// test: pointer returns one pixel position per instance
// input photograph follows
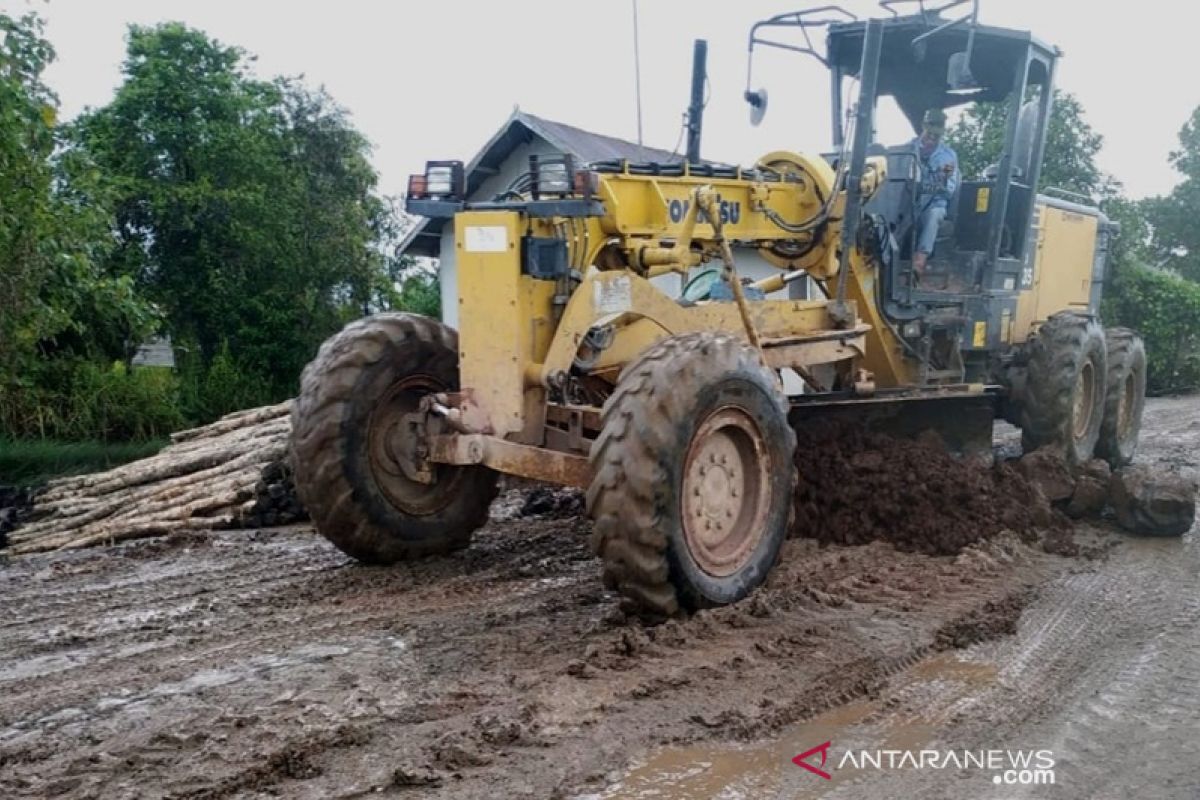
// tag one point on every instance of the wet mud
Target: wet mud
(267, 664)
(856, 486)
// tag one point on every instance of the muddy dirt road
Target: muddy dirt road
(247, 664)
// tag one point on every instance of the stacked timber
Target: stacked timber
(208, 477)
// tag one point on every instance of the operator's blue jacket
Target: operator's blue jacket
(936, 189)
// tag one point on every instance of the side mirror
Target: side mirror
(758, 105)
(958, 74)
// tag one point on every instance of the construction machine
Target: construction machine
(678, 415)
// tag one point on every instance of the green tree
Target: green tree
(56, 300)
(1071, 145)
(420, 293)
(1165, 309)
(27, 111)
(1175, 242)
(244, 208)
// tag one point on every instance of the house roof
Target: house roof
(425, 237)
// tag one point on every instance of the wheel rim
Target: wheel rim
(726, 491)
(1125, 407)
(1085, 395)
(387, 443)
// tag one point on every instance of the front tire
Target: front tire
(347, 427)
(1063, 403)
(1125, 397)
(692, 475)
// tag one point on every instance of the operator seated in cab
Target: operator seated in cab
(939, 180)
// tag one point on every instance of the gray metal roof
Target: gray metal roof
(155, 352)
(425, 237)
(588, 147)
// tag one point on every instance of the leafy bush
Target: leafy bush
(224, 385)
(1165, 309)
(82, 400)
(421, 293)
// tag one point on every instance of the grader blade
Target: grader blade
(961, 416)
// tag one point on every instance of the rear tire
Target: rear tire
(692, 475)
(344, 427)
(1063, 403)
(1125, 397)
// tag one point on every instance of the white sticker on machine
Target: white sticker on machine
(486, 239)
(613, 296)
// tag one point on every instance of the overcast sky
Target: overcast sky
(434, 80)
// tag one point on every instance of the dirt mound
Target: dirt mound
(857, 486)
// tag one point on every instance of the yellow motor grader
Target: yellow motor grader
(572, 366)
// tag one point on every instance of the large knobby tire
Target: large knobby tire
(693, 475)
(346, 423)
(1063, 402)
(1125, 397)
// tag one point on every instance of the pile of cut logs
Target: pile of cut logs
(230, 473)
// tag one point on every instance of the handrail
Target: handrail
(973, 17)
(886, 5)
(797, 19)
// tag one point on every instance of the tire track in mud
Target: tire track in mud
(506, 670)
(514, 661)
(1104, 671)
(302, 607)
(1124, 729)
(192, 645)
(48, 604)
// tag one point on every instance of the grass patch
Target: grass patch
(28, 462)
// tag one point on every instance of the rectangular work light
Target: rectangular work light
(552, 175)
(445, 179)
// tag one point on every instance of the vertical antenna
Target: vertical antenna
(637, 71)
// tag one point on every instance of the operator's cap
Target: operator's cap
(935, 120)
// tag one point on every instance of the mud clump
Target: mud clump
(1153, 503)
(410, 777)
(857, 486)
(15, 504)
(1090, 497)
(1060, 542)
(1047, 469)
(997, 618)
(552, 502)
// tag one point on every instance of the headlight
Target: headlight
(445, 179)
(553, 175)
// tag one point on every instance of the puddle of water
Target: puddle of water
(741, 772)
(948, 667)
